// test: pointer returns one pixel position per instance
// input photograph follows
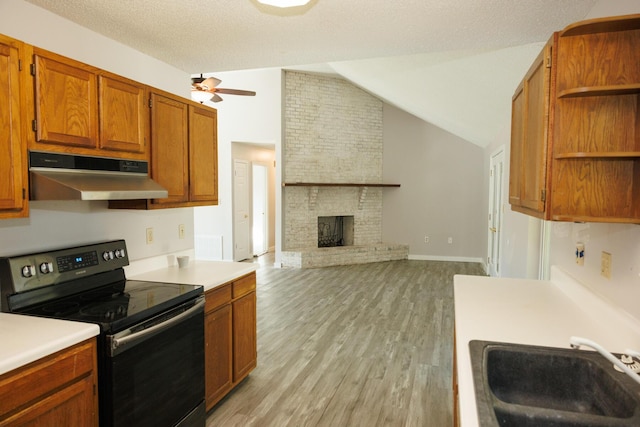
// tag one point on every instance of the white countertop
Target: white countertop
(25, 339)
(531, 312)
(206, 273)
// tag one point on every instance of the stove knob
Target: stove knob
(107, 255)
(120, 253)
(46, 267)
(28, 271)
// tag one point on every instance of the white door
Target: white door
(241, 224)
(496, 179)
(259, 192)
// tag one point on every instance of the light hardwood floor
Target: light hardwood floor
(359, 345)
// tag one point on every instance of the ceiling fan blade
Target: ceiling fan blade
(210, 82)
(235, 91)
(216, 98)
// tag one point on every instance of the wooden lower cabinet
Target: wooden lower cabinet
(230, 336)
(218, 354)
(244, 336)
(58, 390)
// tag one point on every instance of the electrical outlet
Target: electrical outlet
(181, 231)
(580, 253)
(149, 236)
(426, 239)
(605, 265)
(450, 240)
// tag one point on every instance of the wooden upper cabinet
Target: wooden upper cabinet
(123, 114)
(184, 153)
(170, 147)
(576, 154)
(203, 154)
(529, 137)
(84, 110)
(516, 165)
(66, 105)
(13, 165)
(596, 151)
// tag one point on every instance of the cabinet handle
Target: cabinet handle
(492, 229)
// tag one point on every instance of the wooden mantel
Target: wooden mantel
(314, 187)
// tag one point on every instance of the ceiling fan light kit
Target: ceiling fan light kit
(200, 96)
(284, 3)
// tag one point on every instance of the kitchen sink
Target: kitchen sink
(523, 385)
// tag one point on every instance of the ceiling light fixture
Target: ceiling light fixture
(200, 96)
(284, 3)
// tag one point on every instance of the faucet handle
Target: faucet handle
(632, 353)
(626, 359)
(629, 362)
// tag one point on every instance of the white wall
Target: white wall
(441, 193)
(59, 224)
(621, 240)
(242, 119)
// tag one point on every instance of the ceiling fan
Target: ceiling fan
(205, 89)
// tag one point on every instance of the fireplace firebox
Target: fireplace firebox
(335, 231)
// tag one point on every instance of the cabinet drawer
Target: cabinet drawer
(244, 285)
(217, 297)
(33, 382)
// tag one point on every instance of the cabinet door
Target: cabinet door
(203, 154)
(57, 390)
(66, 105)
(530, 137)
(536, 116)
(517, 142)
(218, 356)
(169, 147)
(123, 115)
(244, 336)
(72, 406)
(12, 162)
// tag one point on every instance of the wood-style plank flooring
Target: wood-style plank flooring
(359, 345)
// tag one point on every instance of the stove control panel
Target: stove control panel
(25, 272)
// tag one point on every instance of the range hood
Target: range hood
(56, 176)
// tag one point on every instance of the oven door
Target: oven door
(153, 373)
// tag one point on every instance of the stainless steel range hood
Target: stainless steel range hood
(70, 177)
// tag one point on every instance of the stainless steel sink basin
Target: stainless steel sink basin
(521, 385)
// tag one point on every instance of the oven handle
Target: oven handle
(129, 338)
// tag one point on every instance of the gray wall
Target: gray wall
(441, 193)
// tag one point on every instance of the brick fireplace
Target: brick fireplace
(333, 139)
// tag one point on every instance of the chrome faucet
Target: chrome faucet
(576, 342)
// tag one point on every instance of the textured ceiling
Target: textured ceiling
(425, 56)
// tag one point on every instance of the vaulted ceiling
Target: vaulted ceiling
(454, 63)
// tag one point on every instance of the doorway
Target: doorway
(259, 189)
(496, 180)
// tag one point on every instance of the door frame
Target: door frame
(265, 220)
(495, 211)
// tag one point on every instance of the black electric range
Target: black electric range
(151, 342)
(86, 284)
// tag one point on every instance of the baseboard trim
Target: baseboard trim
(445, 258)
